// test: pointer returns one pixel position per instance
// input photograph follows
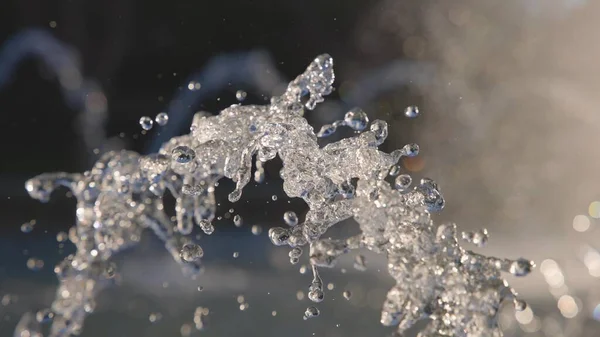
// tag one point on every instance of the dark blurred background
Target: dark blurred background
(509, 128)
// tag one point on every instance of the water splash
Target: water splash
(122, 195)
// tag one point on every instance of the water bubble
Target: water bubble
(200, 288)
(411, 111)
(206, 226)
(274, 197)
(162, 119)
(191, 252)
(357, 119)
(240, 95)
(146, 123)
(402, 182)
(347, 294)
(521, 267)
(311, 312)
(290, 218)
(236, 255)
(273, 313)
(183, 154)
(237, 220)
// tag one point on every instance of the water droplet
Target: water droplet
(402, 182)
(411, 111)
(357, 119)
(44, 316)
(35, 264)
(155, 317)
(311, 312)
(62, 237)
(162, 119)
(206, 226)
(394, 171)
(290, 218)
(521, 267)
(347, 294)
(326, 130)
(380, 130)
(273, 313)
(192, 189)
(478, 238)
(183, 154)
(279, 236)
(146, 123)
(240, 95)
(295, 252)
(410, 150)
(256, 230)
(237, 220)
(28, 226)
(191, 252)
(360, 263)
(520, 305)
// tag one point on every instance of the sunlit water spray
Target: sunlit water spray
(122, 195)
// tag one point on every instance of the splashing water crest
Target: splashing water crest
(122, 195)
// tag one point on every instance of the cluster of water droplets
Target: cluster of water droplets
(122, 195)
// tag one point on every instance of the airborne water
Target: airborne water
(122, 195)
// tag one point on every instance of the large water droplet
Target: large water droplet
(146, 123)
(162, 119)
(311, 312)
(206, 226)
(290, 218)
(411, 111)
(357, 119)
(237, 220)
(240, 95)
(183, 154)
(191, 252)
(521, 267)
(402, 182)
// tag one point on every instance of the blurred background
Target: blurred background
(509, 128)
